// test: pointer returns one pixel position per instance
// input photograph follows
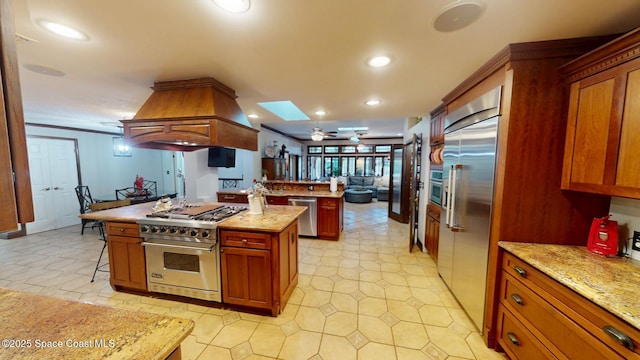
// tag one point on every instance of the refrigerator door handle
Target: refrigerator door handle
(447, 198)
(453, 224)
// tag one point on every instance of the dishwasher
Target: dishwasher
(307, 222)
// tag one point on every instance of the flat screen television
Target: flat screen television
(221, 157)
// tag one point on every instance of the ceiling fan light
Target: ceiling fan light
(317, 137)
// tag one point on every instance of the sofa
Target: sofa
(372, 183)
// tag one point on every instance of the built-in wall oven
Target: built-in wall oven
(435, 187)
(182, 251)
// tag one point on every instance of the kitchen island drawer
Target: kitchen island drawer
(574, 341)
(609, 335)
(122, 229)
(233, 198)
(517, 341)
(245, 239)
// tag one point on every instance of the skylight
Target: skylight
(356, 128)
(286, 110)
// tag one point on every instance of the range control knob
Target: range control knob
(183, 230)
(154, 229)
(205, 233)
(173, 229)
(144, 228)
(194, 232)
(163, 229)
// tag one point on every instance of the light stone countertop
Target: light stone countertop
(612, 283)
(275, 218)
(39, 320)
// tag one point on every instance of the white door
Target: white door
(54, 175)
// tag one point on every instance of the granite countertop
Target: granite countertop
(275, 218)
(299, 193)
(122, 214)
(307, 193)
(613, 283)
(52, 328)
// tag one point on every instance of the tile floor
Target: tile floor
(362, 297)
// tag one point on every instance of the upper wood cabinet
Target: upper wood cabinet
(276, 168)
(603, 128)
(16, 205)
(436, 135)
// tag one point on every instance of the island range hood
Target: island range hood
(187, 115)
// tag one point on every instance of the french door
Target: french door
(53, 166)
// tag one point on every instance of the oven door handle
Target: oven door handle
(210, 249)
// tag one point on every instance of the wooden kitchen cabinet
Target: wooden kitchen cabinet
(436, 135)
(127, 264)
(276, 168)
(232, 198)
(277, 200)
(16, 204)
(330, 219)
(603, 128)
(540, 318)
(259, 269)
(432, 230)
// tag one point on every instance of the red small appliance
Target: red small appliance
(603, 236)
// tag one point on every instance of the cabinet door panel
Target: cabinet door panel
(246, 277)
(628, 170)
(592, 132)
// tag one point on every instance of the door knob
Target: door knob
(58, 188)
(46, 189)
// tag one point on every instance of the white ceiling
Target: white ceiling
(310, 52)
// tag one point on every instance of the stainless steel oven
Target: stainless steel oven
(435, 187)
(185, 269)
(182, 250)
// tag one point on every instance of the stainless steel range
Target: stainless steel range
(182, 250)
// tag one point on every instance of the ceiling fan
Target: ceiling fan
(317, 134)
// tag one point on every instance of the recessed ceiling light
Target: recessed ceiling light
(379, 61)
(234, 6)
(321, 113)
(372, 102)
(62, 30)
(253, 116)
(458, 15)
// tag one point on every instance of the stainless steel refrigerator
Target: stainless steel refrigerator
(468, 180)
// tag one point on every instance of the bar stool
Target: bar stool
(103, 237)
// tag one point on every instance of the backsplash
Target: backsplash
(627, 212)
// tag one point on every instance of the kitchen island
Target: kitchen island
(562, 299)
(42, 327)
(330, 205)
(254, 257)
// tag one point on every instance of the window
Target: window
(315, 167)
(348, 166)
(348, 149)
(331, 149)
(331, 165)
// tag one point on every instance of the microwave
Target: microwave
(435, 187)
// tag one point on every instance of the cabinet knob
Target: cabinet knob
(244, 241)
(121, 230)
(619, 336)
(517, 299)
(221, 251)
(520, 271)
(513, 338)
